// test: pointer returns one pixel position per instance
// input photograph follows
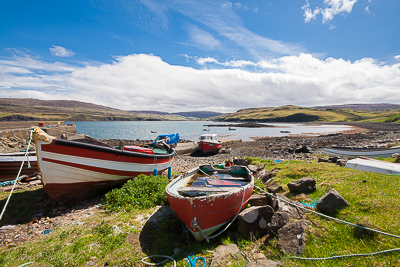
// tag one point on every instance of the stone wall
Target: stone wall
(21, 128)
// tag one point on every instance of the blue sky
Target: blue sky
(183, 55)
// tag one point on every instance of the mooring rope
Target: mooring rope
(19, 172)
(338, 220)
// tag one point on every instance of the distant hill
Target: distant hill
(191, 114)
(321, 114)
(362, 107)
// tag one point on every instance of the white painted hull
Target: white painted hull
(373, 165)
(358, 152)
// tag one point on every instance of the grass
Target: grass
(118, 238)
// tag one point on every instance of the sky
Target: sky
(206, 55)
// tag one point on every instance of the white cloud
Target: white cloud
(60, 51)
(331, 9)
(397, 57)
(202, 39)
(146, 82)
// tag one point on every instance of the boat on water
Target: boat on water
(231, 129)
(352, 152)
(373, 165)
(205, 198)
(80, 168)
(10, 164)
(285, 131)
(209, 144)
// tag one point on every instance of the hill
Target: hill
(16, 109)
(322, 114)
(362, 107)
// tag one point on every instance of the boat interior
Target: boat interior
(208, 180)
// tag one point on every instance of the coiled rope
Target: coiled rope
(19, 172)
(338, 220)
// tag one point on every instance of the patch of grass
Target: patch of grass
(142, 192)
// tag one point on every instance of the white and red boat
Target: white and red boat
(205, 199)
(77, 169)
(209, 143)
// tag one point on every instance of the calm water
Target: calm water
(191, 130)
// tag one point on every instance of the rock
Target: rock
(263, 175)
(323, 160)
(303, 185)
(278, 220)
(259, 200)
(223, 254)
(341, 162)
(293, 212)
(254, 221)
(252, 168)
(240, 161)
(331, 202)
(274, 188)
(292, 237)
(264, 263)
(302, 149)
(260, 167)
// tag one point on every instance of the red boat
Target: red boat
(77, 169)
(205, 198)
(209, 143)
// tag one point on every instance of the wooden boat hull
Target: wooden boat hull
(373, 165)
(209, 212)
(10, 165)
(361, 152)
(72, 171)
(209, 147)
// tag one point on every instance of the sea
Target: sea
(191, 130)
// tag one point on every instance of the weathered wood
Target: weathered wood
(207, 189)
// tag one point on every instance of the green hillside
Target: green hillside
(302, 114)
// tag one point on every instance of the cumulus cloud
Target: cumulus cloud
(60, 51)
(331, 9)
(397, 57)
(146, 82)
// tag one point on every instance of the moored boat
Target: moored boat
(205, 198)
(352, 152)
(77, 169)
(209, 143)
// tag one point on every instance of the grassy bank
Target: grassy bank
(122, 236)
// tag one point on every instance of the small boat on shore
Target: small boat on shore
(205, 198)
(76, 169)
(352, 152)
(209, 144)
(373, 165)
(10, 163)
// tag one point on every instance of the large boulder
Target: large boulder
(252, 168)
(302, 149)
(254, 221)
(284, 206)
(259, 200)
(331, 202)
(292, 237)
(303, 185)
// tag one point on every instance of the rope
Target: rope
(159, 263)
(192, 261)
(347, 256)
(207, 238)
(338, 220)
(16, 179)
